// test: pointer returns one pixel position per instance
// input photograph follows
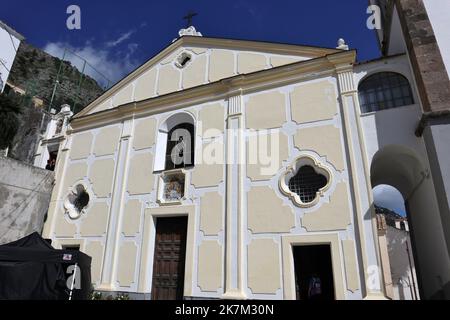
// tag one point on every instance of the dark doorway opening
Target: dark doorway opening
(51, 162)
(169, 258)
(313, 272)
(74, 247)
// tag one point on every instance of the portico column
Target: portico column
(234, 202)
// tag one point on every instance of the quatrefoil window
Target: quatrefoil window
(76, 202)
(305, 181)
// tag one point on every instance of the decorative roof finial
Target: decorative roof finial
(189, 32)
(190, 29)
(341, 44)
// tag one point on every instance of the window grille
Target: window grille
(384, 90)
(306, 183)
(81, 199)
(180, 148)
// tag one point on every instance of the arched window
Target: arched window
(403, 226)
(384, 90)
(176, 143)
(180, 147)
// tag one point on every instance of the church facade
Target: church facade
(231, 169)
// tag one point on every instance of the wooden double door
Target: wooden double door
(169, 258)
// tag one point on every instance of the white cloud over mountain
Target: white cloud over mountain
(105, 62)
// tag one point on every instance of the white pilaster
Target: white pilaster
(234, 202)
(110, 260)
(360, 179)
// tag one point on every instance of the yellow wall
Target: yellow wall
(116, 164)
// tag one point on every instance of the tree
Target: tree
(9, 118)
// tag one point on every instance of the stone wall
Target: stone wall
(26, 141)
(426, 59)
(24, 198)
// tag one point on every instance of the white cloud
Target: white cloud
(390, 198)
(132, 47)
(250, 9)
(122, 38)
(101, 62)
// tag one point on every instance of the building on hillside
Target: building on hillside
(36, 101)
(396, 256)
(25, 191)
(9, 44)
(232, 169)
(49, 144)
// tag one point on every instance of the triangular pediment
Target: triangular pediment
(193, 61)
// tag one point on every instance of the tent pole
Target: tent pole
(73, 280)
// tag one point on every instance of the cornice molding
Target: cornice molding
(268, 47)
(221, 89)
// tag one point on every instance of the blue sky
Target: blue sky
(117, 36)
(390, 198)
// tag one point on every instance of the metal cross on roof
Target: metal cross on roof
(189, 17)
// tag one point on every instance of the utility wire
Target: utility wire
(12, 41)
(5, 66)
(23, 209)
(29, 198)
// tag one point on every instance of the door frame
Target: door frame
(148, 245)
(288, 242)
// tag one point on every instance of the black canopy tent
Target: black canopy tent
(30, 268)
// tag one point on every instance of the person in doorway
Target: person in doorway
(49, 165)
(314, 287)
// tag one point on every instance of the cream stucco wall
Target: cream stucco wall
(132, 218)
(265, 111)
(206, 65)
(81, 146)
(264, 275)
(107, 141)
(313, 102)
(101, 176)
(144, 133)
(334, 215)
(95, 250)
(127, 264)
(195, 72)
(95, 223)
(145, 85)
(141, 178)
(210, 264)
(89, 159)
(117, 166)
(266, 212)
(212, 120)
(265, 154)
(325, 140)
(211, 213)
(221, 64)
